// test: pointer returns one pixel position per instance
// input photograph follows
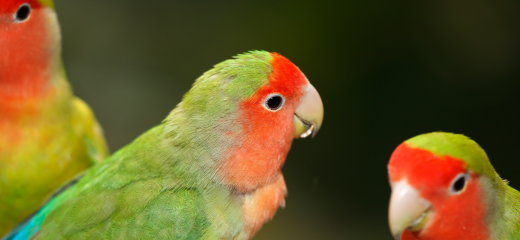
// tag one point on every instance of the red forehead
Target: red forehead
(422, 168)
(10, 6)
(285, 78)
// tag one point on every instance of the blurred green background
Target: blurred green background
(386, 71)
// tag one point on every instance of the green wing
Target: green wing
(129, 195)
(140, 210)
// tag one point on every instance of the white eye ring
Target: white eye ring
(273, 102)
(23, 13)
(459, 183)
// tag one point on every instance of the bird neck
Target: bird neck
(504, 212)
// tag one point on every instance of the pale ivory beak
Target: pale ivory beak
(407, 211)
(309, 113)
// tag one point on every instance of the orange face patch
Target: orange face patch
(267, 134)
(454, 216)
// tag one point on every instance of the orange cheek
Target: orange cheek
(266, 142)
(266, 137)
(460, 216)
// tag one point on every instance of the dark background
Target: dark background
(386, 71)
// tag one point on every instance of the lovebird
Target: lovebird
(47, 135)
(210, 170)
(444, 188)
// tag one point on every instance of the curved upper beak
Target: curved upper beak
(309, 113)
(407, 211)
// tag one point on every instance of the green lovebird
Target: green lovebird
(210, 170)
(445, 188)
(47, 135)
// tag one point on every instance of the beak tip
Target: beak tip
(397, 236)
(396, 231)
(314, 132)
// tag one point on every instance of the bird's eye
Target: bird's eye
(23, 13)
(458, 185)
(274, 102)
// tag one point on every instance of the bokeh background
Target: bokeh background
(386, 71)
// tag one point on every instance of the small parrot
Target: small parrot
(445, 188)
(47, 135)
(210, 170)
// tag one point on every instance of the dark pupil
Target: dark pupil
(23, 13)
(274, 102)
(459, 184)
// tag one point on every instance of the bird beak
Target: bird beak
(407, 211)
(309, 113)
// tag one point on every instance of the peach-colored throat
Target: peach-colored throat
(261, 205)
